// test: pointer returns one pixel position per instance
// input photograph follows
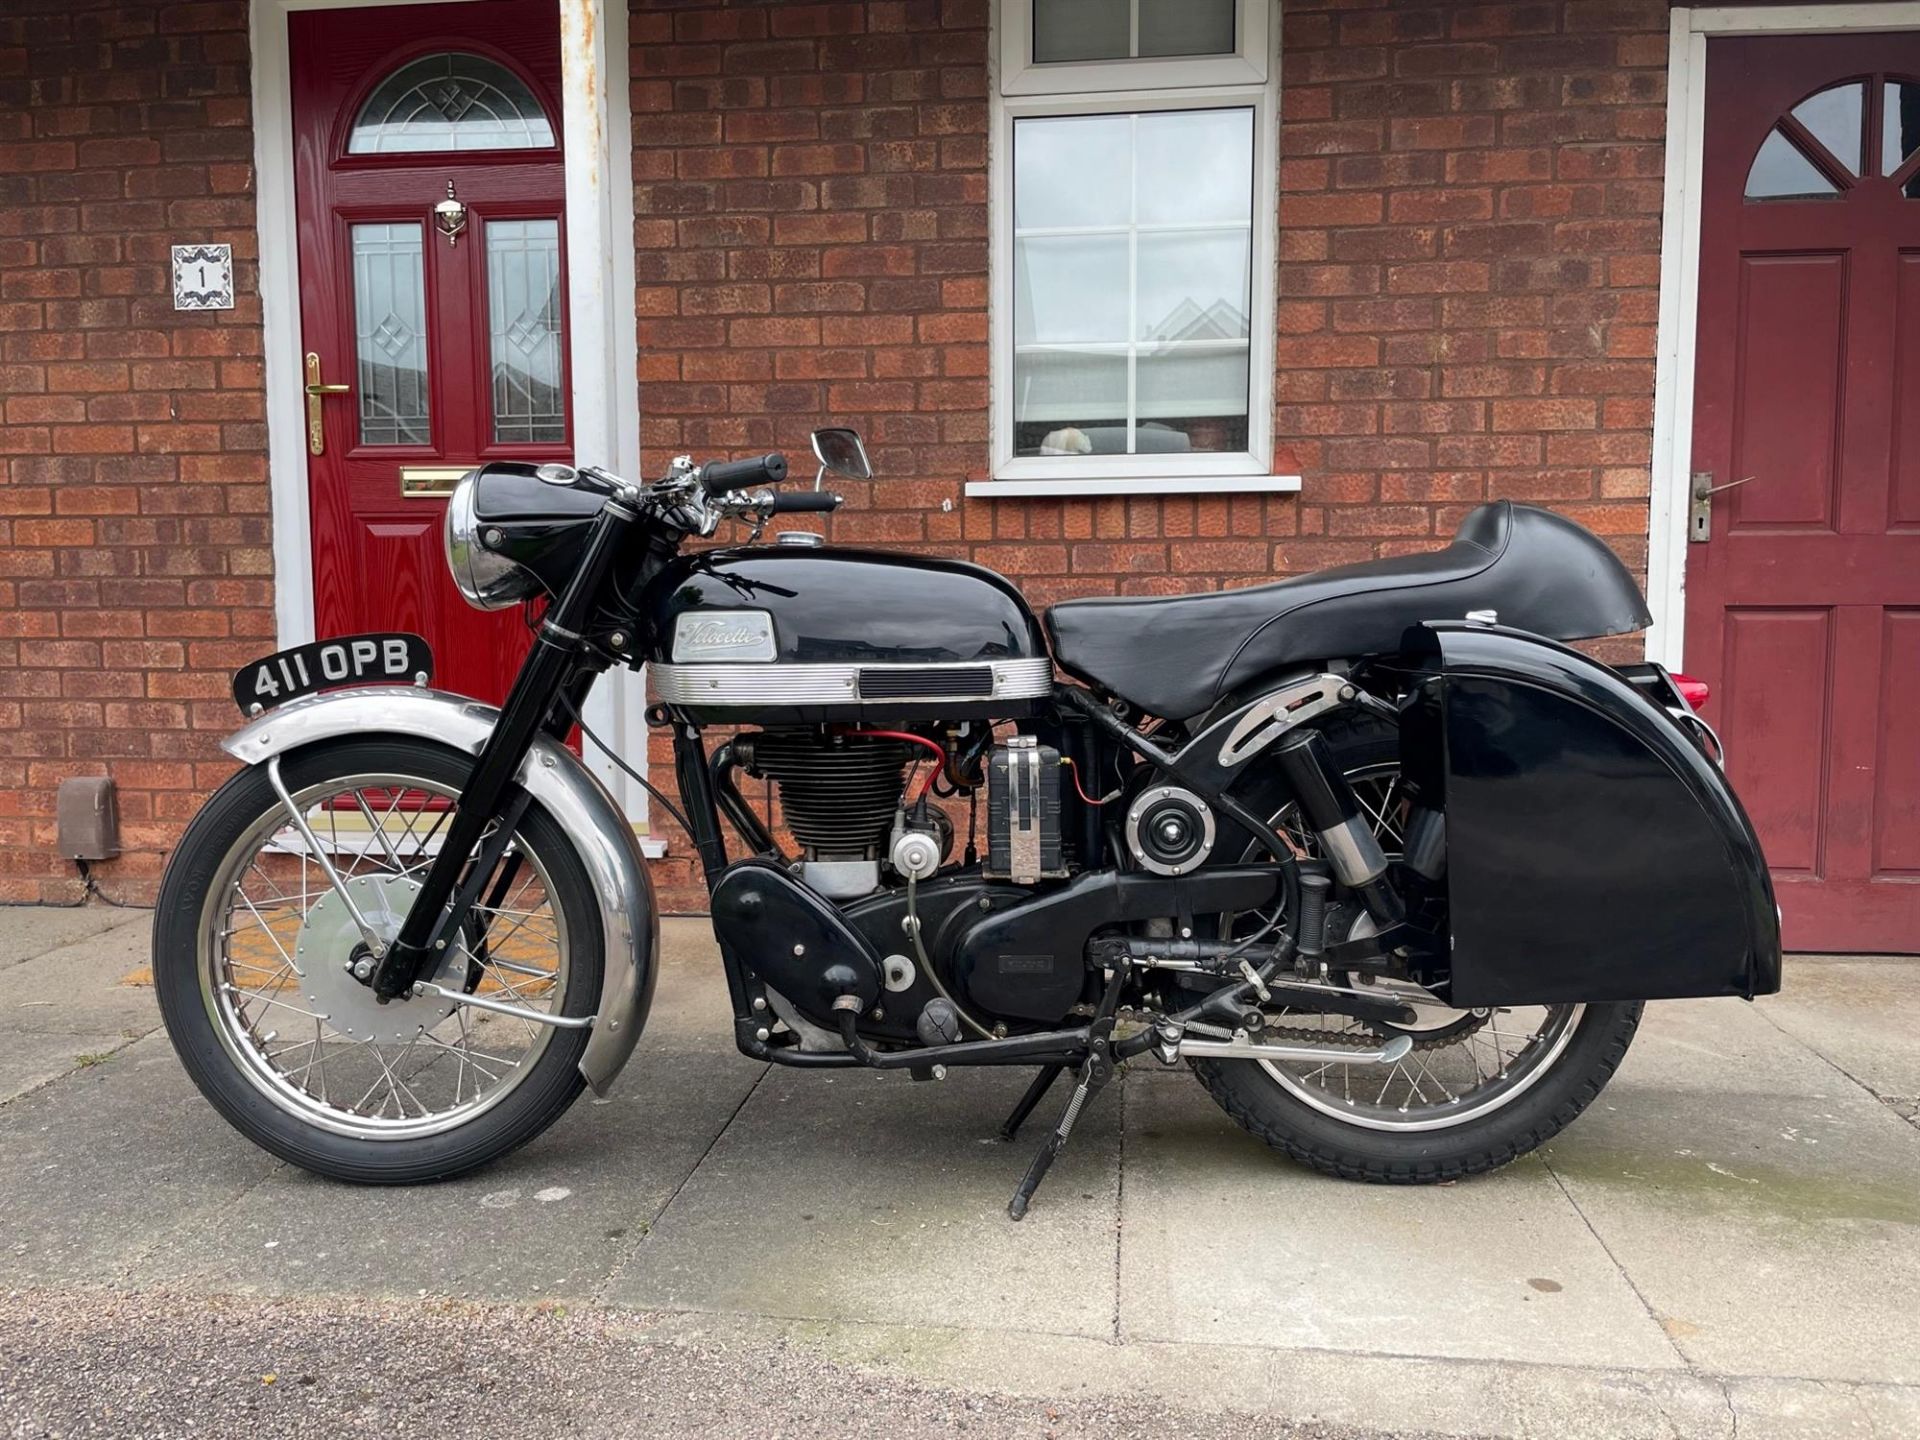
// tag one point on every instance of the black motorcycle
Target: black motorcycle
(1378, 855)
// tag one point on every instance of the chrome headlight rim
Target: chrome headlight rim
(486, 580)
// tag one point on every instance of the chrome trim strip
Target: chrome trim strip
(778, 684)
(629, 919)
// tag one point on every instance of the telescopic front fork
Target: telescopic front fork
(548, 670)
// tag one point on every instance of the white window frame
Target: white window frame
(1186, 83)
(1251, 62)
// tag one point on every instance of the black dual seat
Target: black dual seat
(1177, 656)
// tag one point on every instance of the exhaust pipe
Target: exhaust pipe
(1190, 1048)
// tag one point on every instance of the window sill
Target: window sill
(1136, 485)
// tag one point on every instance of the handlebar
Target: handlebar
(725, 475)
(803, 501)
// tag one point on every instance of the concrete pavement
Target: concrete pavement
(1728, 1239)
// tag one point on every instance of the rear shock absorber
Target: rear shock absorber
(1333, 813)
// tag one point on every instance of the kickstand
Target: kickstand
(1094, 1076)
(1036, 1092)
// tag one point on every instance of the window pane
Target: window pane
(1070, 288)
(1191, 399)
(1780, 170)
(450, 102)
(1072, 171)
(524, 308)
(1080, 30)
(1195, 165)
(1186, 27)
(1193, 286)
(1133, 283)
(1070, 402)
(390, 334)
(1900, 129)
(1836, 118)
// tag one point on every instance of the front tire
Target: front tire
(250, 946)
(1459, 1105)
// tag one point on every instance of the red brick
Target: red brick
(1467, 239)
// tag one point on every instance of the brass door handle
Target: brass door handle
(317, 388)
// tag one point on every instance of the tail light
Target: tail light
(1694, 692)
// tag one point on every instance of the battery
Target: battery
(1023, 812)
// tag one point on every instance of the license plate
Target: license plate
(350, 660)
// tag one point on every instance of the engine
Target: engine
(844, 799)
(865, 825)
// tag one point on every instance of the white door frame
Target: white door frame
(597, 142)
(1692, 26)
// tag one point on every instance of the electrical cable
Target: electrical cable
(1081, 790)
(926, 965)
(567, 704)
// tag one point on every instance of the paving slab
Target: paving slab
(1772, 1234)
(78, 987)
(1720, 1047)
(691, 1007)
(1863, 1015)
(849, 1195)
(30, 930)
(104, 1165)
(548, 1222)
(30, 1059)
(1226, 1241)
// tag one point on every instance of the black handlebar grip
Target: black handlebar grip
(725, 475)
(801, 501)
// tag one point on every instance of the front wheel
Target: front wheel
(1480, 1087)
(253, 948)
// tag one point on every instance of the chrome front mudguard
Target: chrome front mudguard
(559, 783)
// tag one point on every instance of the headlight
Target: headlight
(487, 581)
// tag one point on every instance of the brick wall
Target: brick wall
(1469, 257)
(134, 548)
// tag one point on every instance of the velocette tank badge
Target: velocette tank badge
(723, 635)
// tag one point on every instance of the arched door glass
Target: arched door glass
(1823, 146)
(450, 101)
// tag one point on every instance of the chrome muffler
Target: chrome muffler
(1190, 1047)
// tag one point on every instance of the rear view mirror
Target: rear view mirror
(840, 451)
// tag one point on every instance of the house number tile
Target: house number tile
(203, 277)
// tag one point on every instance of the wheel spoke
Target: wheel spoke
(337, 1072)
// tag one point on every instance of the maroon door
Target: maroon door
(433, 294)
(1803, 606)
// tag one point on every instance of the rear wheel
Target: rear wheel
(1479, 1088)
(251, 953)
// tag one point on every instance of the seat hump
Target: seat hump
(1176, 656)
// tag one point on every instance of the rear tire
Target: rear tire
(231, 1055)
(1257, 1103)
(1580, 1048)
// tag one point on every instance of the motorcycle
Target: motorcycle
(1378, 855)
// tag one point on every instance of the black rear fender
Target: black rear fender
(1593, 851)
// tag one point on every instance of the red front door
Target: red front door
(432, 281)
(1803, 605)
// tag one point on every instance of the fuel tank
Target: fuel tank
(780, 633)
